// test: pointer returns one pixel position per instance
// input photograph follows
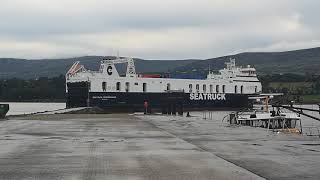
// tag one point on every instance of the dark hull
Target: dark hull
(78, 96)
(135, 101)
(157, 99)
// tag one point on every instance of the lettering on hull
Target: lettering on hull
(207, 97)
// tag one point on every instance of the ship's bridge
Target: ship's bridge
(233, 72)
(248, 71)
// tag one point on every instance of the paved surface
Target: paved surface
(104, 147)
(270, 155)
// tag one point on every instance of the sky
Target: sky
(155, 29)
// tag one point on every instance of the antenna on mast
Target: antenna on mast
(118, 56)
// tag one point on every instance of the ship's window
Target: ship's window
(118, 87)
(104, 86)
(217, 88)
(190, 88)
(223, 88)
(204, 88)
(241, 89)
(136, 83)
(197, 88)
(255, 89)
(211, 88)
(144, 87)
(235, 89)
(168, 87)
(127, 86)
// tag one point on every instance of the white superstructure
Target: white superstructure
(230, 80)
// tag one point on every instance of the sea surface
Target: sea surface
(17, 108)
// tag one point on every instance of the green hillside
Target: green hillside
(299, 62)
(31, 69)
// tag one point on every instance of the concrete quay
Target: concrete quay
(121, 146)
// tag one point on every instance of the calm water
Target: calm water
(27, 108)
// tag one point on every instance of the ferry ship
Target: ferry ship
(105, 88)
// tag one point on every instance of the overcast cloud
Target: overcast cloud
(155, 29)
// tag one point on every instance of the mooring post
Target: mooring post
(300, 127)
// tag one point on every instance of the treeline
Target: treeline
(42, 89)
(291, 84)
(53, 89)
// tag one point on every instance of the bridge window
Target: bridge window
(190, 88)
(168, 87)
(144, 87)
(118, 87)
(223, 88)
(211, 88)
(204, 88)
(127, 87)
(255, 89)
(197, 88)
(235, 89)
(217, 88)
(241, 89)
(104, 86)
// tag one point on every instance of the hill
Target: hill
(299, 62)
(31, 69)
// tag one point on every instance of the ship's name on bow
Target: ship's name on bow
(207, 96)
